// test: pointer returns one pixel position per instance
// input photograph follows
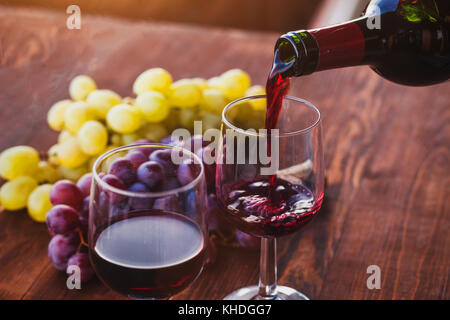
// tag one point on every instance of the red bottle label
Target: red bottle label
(339, 46)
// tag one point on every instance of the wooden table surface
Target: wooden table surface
(387, 158)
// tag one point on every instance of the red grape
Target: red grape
(145, 150)
(61, 248)
(124, 170)
(115, 182)
(84, 183)
(164, 158)
(84, 209)
(66, 192)
(82, 261)
(137, 158)
(187, 171)
(62, 219)
(210, 168)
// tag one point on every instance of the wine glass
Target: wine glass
(147, 225)
(269, 192)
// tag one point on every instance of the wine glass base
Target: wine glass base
(251, 293)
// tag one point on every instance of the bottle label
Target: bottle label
(339, 46)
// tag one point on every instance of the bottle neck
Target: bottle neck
(338, 46)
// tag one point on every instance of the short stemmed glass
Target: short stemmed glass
(273, 193)
(148, 244)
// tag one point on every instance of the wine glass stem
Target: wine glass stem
(268, 269)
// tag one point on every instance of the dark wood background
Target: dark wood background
(267, 15)
(387, 158)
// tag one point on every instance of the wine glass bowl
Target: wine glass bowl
(147, 225)
(270, 183)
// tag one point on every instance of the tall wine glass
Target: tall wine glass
(147, 225)
(264, 196)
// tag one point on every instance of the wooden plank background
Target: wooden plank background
(387, 158)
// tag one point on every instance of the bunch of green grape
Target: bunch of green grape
(92, 121)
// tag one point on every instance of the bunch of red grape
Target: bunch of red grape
(67, 222)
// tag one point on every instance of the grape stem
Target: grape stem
(82, 242)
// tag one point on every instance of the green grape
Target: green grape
(14, 194)
(129, 100)
(258, 104)
(55, 116)
(124, 118)
(39, 202)
(156, 79)
(171, 122)
(73, 174)
(129, 138)
(18, 161)
(101, 101)
(116, 139)
(245, 114)
(70, 154)
(201, 83)
(47, 173)
(153, 131)
(186, 118)
(81, 86)
(153, 105)
(77, 114)
(185, 94)
(210, 121)
(64, 136)
(92, 137)
(213, 83)
(52, 154)
(213, 101)
(234, 83)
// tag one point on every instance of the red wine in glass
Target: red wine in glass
(271, 208)
(141, 254)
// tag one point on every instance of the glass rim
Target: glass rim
(280, 135)
(160, 194)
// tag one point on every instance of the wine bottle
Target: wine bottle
(405, 41)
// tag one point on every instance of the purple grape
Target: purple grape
(246, 240)
(115, 182)
(171, 142)
(137, 158)
(66, 192)
(124, 170)
(62, 219)
(187, 171)
(84, 209)
(61, 248)
(170, 183)
(81, 260)
(210, 168)
(137, 203)
(138, 187)
(151, 173)
(84, 183)
(164, 158)
(145, 150)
